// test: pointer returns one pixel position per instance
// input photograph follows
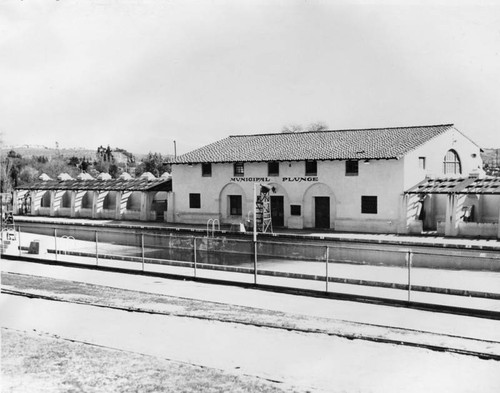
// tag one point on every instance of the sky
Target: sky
(140, 75)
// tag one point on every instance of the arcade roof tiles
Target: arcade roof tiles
(140, 184)
(469, 185)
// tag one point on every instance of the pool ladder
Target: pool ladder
(213, 221)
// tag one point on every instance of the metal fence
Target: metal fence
(457, 278)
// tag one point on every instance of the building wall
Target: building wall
(380, 178)
(434, 152)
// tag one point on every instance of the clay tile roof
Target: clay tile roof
(374, 143)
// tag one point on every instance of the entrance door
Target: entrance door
(277, 211)
(322, 212)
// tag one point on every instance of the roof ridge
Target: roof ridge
(343, 130)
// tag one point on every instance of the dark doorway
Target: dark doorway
(277, 211)
(322, 212)
(159, 207)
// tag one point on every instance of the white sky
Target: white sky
(141, 74)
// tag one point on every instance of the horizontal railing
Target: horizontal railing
(468, 279)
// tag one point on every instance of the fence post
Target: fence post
(19, 238)
(255, 261)
(96, 249)
(55, 241)
(194, 254)
(409, 258)
(142, 250)
(326, 267)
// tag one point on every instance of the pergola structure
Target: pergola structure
(455, 206)
(143, 198)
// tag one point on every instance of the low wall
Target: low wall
(368, 225)
(478, 229)
(63, 212)
(84, 213)
(107, 214)
(415, 227)
(133, 215)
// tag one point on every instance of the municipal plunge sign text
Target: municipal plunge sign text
(268, 179)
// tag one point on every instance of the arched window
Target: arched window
(46, 199)
(451, 164)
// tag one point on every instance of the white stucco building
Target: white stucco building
(345, 180)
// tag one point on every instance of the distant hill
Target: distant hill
(28, 151)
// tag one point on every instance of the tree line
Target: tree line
(16, 170)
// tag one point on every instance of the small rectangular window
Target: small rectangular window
(311, 168)
(235, 205)
(421, 162)
(239, 169)
(206, 169)
(352, 168)
(273, 168)
(194, 201)
(295, 210)
(368, 204)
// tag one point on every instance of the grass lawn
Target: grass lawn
(38, 363)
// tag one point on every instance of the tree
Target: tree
(292, 127)
(74, 161)
(11, 166)
(85, 164)
(317, 126)
(104, 153)
(154, 163)
(58, 165)
(28, 175)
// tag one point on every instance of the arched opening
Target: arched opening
(110, 201)
(233, 206)
(66, 200)
(46, 199)
(134, 201)
(451, 163)
(88, 200)
(319, 207)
